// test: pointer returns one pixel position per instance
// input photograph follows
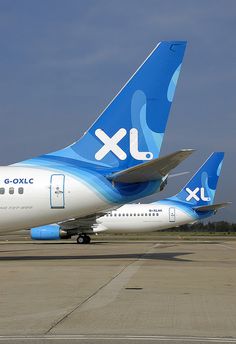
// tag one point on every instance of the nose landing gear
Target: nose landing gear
(83, 239)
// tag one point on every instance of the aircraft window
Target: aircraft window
(141, 214)
(134, 214)
(11, 191)
(150, 214)
(123, 214)
(145, 214)
(2, 191)
(119, 214)
(115, 214)
(138, 214)
(20, 191)
(130, 214)
(157, 214)
(153, 214)
(127, 214)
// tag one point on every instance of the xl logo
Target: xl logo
(193, 194)
(111, 145)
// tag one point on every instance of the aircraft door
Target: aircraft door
(172, 214)
(57, 191)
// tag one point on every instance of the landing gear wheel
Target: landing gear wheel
(87, 239)
(83, 239)
(80, 239)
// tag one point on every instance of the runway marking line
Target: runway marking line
(227, 246)
(125, 337)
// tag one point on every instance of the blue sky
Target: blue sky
(61, 62)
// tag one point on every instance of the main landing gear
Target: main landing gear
(83, 239)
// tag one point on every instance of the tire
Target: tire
(81, 240)
(87, 239)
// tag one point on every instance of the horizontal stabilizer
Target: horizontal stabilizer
(151, 170)
(211, 207)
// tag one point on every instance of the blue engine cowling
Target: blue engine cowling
(49, 232)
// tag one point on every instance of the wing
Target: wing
(83, 223)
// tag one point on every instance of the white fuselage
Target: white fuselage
(142, 218)
(31, 197)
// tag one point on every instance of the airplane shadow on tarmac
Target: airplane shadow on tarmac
(169, 256)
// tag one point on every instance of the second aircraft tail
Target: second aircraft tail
(201, 188)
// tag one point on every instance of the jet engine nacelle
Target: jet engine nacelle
(49, 232)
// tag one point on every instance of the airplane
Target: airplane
(116, 160)
(193, 203)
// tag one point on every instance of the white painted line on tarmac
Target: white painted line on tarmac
(156, 245)
(227, 246)
(125, 338)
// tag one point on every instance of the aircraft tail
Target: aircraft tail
(131, 129)
(201, 188)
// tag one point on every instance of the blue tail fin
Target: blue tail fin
(200, 190)
(130, 130)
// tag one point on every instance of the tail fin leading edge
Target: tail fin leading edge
(130, 130)
(200, 190)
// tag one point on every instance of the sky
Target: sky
(62, 61)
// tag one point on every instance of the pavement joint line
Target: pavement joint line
(121, 337)
(65, 316)
(227, 246)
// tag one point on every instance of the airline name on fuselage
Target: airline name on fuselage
(18, 181)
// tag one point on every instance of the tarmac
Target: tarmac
(118, 292)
